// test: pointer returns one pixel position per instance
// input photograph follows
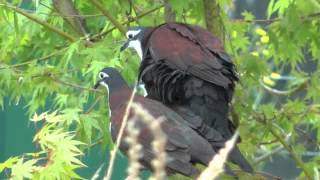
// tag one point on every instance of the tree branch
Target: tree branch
(267, 155)
(169, 14)
(93, 105)
(39, 21)
(213, 18)
(95, 37)
(67, 8)
(285, 92)
(75, 85)
(269, 21)
(292, 152)
(113, 20)
(262, 119)
(43, 58)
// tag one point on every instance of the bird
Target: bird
(186, 67)
(184, 146)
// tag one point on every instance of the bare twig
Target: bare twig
(95, 37)
(43, 58)
(285, 92)
(61, 15)
(267, 155)
(267, 175)
(93, 105)
(39, 21)
(120, 134)
(75, 85)
(113, 20)
(269, 21)
(262, 119)
(292, 152)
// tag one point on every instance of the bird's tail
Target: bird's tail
(237, 158)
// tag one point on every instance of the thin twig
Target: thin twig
(113, 20)
(265, 174)
(269, 21)
(95, 37)
(292, 152)
(93, 105)
(285, 92)
(120, 134)
(61, 15)
(267, 155)
(75, 85)
(39, 21)
(46, 57)
(262, 119)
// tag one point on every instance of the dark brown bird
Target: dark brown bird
(184, 146)
(186, 67)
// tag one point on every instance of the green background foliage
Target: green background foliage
(50, 56)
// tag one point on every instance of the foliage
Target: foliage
(45, 62)
(58, 153)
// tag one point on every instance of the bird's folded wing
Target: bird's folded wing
(179, 48)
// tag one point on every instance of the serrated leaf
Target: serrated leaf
(8, 163)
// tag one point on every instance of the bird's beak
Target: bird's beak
(97, 84)
(125, 46)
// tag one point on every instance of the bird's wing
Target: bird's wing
(180, 48)
(176, 144)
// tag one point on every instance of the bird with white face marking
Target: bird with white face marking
(134, 36)
(186, 67)
(184, 146)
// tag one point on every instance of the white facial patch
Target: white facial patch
(132, 33)
(136, 44)
(103, 75)
(107, 87)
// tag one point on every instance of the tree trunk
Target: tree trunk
(170, 15)
(213, 18)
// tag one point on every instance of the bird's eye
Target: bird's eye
(103, 75)
(130, 36)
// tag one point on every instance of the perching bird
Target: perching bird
(186, 67)
(184, 146)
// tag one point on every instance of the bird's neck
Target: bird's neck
(119, 97)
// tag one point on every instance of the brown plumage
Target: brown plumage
(186, 67)
(184, 146)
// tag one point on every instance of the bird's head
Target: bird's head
(134, 36)
(111, 79)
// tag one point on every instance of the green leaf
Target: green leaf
(23, 169)
(8, 163)
(248, 16)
